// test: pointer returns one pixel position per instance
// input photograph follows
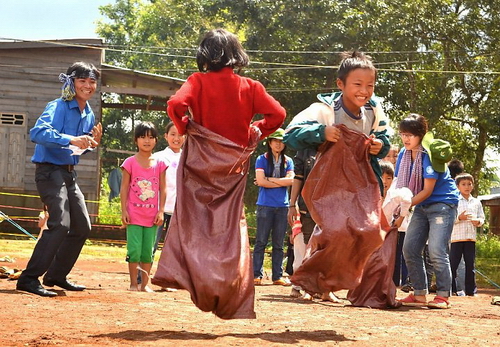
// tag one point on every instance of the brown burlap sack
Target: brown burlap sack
(206, 250)
(343, 197)
(377, 288)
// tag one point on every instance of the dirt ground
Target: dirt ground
(106, 314)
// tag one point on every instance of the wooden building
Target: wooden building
(29, 79)
(492, 202)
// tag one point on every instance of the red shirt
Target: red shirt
(225, 103)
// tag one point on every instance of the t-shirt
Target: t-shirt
(225, 103)
(143, 195)
(445, 189)
(272, 197)
(171, 160)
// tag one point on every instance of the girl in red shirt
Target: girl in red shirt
(221, 100)
(207, 250)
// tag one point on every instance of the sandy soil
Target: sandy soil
(106, 314)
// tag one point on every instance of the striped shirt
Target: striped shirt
(464, 230)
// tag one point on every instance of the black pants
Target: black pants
(68, 226)
(468, 250)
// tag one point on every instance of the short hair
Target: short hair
(464, 177)
(456, 167)
(218, 49)
(144, 129)
(352, 60)
(414, 124)
(394, 148)
(83, 70)
(387, 168)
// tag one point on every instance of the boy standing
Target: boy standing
(463, 237)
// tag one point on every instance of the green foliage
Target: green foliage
(109, 211)
(488, 246)
(488, 259)
(435, 58)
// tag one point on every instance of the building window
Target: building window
(12, 119)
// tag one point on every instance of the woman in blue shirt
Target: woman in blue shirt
(421, 167)
(273, 174)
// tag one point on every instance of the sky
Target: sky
(49, 19)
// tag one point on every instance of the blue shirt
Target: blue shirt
(59, 123)
(445, 190)
(272, 197)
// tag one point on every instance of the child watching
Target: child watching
(392, 156)
(463, 238)
(142, 195)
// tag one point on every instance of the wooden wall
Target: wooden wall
(29, 79)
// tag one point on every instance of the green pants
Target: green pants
(140, 243)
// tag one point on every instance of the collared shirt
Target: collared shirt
(463, 230)
(59, 123)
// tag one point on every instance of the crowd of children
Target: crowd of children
(206, 249)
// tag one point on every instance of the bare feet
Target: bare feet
(133, 288)
(307, 297)
(295, 293)
(330, 297)
(147, 290)
(165, 289)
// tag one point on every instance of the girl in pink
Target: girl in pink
(142, 194)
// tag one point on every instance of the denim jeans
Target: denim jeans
(433, 223)
(270, 220)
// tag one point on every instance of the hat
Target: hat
(439, 151)
(278, 134)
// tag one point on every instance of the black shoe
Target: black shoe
(34, 287)
(64, 284)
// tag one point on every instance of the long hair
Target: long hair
(270, 158)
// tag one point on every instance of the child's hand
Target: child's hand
(332, 133)
(125, 218)
(159, 218)
(464, 216)
(376, 145)
(292, 215)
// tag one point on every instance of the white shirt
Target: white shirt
(171, 159)
(464, 230)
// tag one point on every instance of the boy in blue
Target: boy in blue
(66, 128)
(273, 174)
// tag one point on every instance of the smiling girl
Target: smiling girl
(142, 195)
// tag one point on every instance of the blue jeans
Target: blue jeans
(433, 223)
(270, 219)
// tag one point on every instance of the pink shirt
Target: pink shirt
(144, 191)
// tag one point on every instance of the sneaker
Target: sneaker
(257, 281)
(282, 282)
(460, 293)
(439, 302)
(411, 301)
